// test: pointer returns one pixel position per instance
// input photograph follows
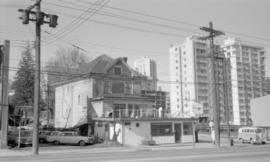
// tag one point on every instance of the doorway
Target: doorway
(178, 132)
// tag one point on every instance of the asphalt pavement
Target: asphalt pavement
(239, 153)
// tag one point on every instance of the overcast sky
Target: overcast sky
(113, 31)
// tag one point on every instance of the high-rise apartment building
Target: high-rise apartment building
(239, 77)
(192, 81)
(267, 86)
(246, 77)
(188, 65)
(147, 66)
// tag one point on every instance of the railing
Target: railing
(140, 114)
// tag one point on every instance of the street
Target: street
(260, 153)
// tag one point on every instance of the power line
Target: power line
(133, 19)
(175, 21)
(81, 19)
(121, 26)
(70, 74)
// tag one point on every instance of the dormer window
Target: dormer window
(117, 70)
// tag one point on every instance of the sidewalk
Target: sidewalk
(92, 149)
(63, 150)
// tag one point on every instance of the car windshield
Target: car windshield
(26, 134)
(259, 130)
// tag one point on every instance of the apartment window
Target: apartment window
(176, 61)
(176, 67)
(117, 70)
(79, 99)
(184, 52)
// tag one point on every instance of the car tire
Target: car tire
(82, 143)
(263, 142)
(41, 140)
(56, 142)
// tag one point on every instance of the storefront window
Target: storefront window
(188, 128)
(161, 129)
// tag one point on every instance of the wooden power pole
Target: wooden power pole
(213, 33)
(4, 94)
(39, 19)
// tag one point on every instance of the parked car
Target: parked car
(69, 138)
(43, 136)
(252, 135)
(25, 137)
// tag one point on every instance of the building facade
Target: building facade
(247, 75)
(267, 86)
(189, 76)
(147, 67)
(113, 101)
(110, 87)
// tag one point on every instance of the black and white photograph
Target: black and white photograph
(134, 80)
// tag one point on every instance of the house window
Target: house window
(161, 129)
(130, 110)
(117, 70)
(137, 110)
(118, 87)
(119, 110)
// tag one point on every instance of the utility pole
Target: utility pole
(4, 95)
(35, 147)
(48, 103)
(213, 33)
(39, 19)
(226, 100)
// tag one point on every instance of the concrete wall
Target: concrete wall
(134, 135)
(260, 111)
(164, 139)
(187, 138)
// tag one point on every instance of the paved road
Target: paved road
(259, 153)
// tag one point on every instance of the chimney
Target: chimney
(125, 59)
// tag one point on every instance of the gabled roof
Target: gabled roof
(100, 65)
(103, 63)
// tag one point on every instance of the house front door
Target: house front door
(178, 132)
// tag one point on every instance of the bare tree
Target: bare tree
(67, 63)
